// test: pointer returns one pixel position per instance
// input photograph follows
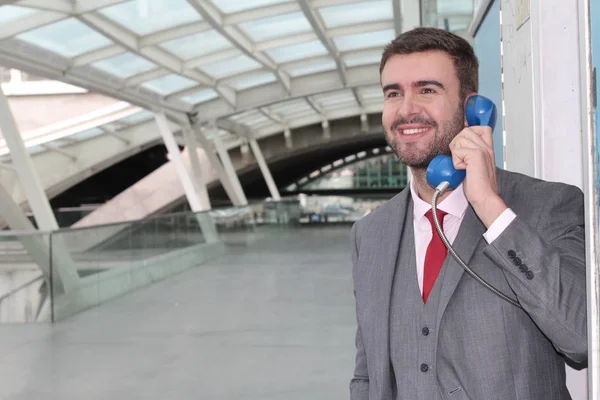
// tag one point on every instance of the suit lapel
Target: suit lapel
(379, 275)
(469, 235)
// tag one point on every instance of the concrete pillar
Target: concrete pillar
(196, 174)
(206, 224)
(230, 171)
(264, 168)
(65, 273)
(216, 163)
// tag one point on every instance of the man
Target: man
(428, 330)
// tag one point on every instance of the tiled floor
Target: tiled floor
(271, 321)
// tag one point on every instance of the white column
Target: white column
(64, 268)
(245, 151)
(326, 129)
(589, 23)
(264, 168)
(411, 14)
(287, 135)
(197, 176)
(36, 246)
(36, 196)
(230, 170)
(542, 100)
(204, 220)
(216, 163)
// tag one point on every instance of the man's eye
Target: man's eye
(428, 91)
(393, 94)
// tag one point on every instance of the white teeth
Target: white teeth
(413, 131)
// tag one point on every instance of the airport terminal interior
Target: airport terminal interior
(178, 181)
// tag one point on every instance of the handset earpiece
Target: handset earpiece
(480, 111)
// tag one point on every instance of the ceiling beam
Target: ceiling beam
(237, 129)
(29, 23)
(153, 53)
(174, 33)
(318, 109)
(260, 12)
(360, 28)
(62, 6)
(317, 26)
(84, 6)
(272, 116)
(58, 150)
(97, 55)
(111, 132)
(209, 13)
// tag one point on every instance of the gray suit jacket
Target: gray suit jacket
(486, 346)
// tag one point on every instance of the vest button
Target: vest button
(512, 254)
(424, 368)
(425, 331)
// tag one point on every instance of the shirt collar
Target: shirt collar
(455, 204)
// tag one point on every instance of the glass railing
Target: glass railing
(25, 276)
(50, 276)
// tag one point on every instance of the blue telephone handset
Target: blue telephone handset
(480, 111)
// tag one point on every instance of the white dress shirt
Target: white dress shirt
(455, 205)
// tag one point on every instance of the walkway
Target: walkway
(271, 321)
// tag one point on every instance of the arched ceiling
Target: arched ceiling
(252, 66)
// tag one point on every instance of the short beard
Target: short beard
(440, 144)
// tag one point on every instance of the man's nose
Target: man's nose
(409, 108)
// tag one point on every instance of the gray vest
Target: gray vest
(413, 330)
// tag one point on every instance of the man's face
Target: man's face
(422, 110)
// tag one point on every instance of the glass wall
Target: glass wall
(381, 172)
(487, 48)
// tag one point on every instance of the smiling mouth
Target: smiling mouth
(414, 131)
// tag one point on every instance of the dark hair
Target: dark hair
(431, 39)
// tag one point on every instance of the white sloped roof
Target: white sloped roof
(265, 64)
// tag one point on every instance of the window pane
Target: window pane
(68, 38)
(88, 134)
(330, 99)
(252, 81)
(311, 68)
(273, 27)
(137, 118)
(454, 6)
(199, 97)
(145, 17)
(233, 6)
(354, 60)
(13, 13)
(350, 14)
(371, 93)
(364, 40)
(291, 107)
(230, 67)
(169, 84)
(124, 65)
(197, 45)
(297, 51)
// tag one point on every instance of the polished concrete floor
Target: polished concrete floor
(274, 320)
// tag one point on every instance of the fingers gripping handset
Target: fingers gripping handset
(480, 111)
(441, 174)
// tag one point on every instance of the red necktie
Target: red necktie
(435, 255)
